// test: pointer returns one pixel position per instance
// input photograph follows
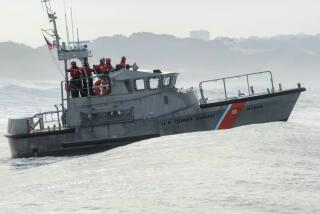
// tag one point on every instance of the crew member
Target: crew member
(75, 81)
(109, 66)
(86, 73)
(102, 68)
(123, 62)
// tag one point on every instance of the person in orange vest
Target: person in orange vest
(75, 80)
(109, 66)
(123, 62)
(86, 73)
(102, 67)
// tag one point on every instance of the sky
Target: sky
(21, 20)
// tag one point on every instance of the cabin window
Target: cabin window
(129, 85)
(173, 81)
(140, 84)
(154, 83)
(166, 81)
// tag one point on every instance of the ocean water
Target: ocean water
(264, 168)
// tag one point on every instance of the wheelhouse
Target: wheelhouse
(128, 81)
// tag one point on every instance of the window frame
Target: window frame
(170, 80)
(173, 81)
(144, 84)
(159, 83)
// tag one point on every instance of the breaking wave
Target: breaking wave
(251, 169)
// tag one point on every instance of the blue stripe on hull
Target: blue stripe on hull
(218, 117)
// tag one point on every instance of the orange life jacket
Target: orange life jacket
(102, 68)
(75, 72)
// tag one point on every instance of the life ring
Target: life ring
(101, 88)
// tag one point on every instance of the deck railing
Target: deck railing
(48, 121)
(249, 88)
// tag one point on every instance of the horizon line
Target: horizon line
(177, 37)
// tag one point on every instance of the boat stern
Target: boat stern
(15, 130)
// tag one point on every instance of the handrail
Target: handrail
(45, 113)
(41, 122)
(203, 99)
(86, 78)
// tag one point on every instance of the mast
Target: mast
(52, 18)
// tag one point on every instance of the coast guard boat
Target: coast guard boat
(141, 105)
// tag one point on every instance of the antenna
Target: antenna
(49, 4)
(76, 25)
(66, 21)
(67, 28)
(42, 6)
(78, 37)
(72, 25)
(44, 3)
